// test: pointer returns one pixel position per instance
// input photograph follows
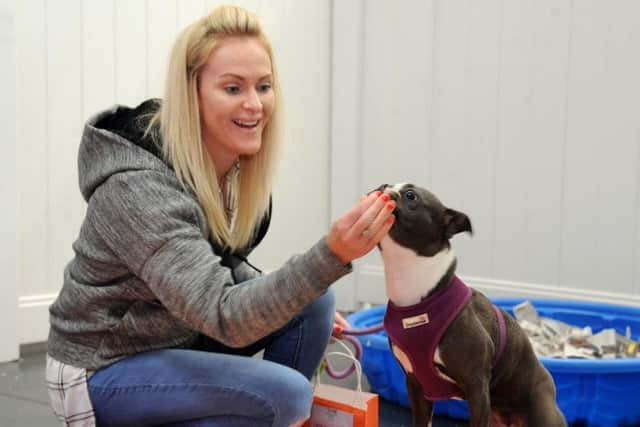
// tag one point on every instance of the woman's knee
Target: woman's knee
(293, 396)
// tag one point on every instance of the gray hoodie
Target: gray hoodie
(145, 276)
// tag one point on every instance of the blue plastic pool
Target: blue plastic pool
(591, 393)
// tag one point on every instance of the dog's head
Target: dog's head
(423, 223)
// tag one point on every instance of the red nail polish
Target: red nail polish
(390, 219)
(391, 206)
(385, 197)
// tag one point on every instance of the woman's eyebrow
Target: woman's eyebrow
(239, 77)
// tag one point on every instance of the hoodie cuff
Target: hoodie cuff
(323, 265)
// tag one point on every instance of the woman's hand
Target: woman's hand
(355, 233)
(339, 325)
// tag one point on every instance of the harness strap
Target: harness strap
(502, 335)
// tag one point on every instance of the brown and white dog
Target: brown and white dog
(482, 355)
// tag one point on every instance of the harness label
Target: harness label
(412, 322)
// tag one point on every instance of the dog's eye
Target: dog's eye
(410, 195)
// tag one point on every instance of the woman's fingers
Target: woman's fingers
(353, 215)
(339, 325)
(365, 222)
(341, 321)
(386, 226)
(361, 228)
(373, 220)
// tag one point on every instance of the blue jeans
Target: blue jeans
(215, 385)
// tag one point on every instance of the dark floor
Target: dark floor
(23, 397)
(391, 414)
(24, 401)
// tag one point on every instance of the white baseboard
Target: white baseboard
(505, 288)
(33, 318)
(373, 292)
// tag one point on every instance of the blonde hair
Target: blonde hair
(182, 145)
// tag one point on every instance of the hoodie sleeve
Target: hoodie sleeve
(154, 228)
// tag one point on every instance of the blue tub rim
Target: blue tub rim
(591, 366)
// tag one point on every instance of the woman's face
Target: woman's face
(236, 98)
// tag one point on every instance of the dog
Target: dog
(477, 352)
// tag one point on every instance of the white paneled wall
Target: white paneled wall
(8, 191)
(602, 154)
(77, 57)
(523, 114)
(131, 64)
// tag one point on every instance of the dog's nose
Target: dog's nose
(391, 191)
(381, 188)
(386, 188)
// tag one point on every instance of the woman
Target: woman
(159, 306)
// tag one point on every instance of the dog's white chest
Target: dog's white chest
(408, 278)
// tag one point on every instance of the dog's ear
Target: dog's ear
(456, 222)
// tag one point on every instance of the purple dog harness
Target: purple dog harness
(417, 330)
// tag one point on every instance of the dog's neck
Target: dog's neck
(410, 277)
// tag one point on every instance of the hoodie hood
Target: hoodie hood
(114, 141)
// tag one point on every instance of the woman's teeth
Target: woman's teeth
(246, 124)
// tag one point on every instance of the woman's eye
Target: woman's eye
(410, 195)
(232, 90)
(266, 87)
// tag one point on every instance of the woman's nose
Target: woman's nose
(252, 102)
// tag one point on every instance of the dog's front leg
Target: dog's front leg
(421, 408)
(543, 410)
(479, 402)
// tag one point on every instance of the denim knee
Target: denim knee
(293, 397)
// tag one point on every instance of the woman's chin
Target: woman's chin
(250, 149)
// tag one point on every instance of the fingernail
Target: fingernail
(391, 206)
(390, 219)
(385, 197)
(377, 193)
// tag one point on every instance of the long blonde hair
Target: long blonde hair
(182, 145)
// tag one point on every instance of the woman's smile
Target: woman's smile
(247, 124)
